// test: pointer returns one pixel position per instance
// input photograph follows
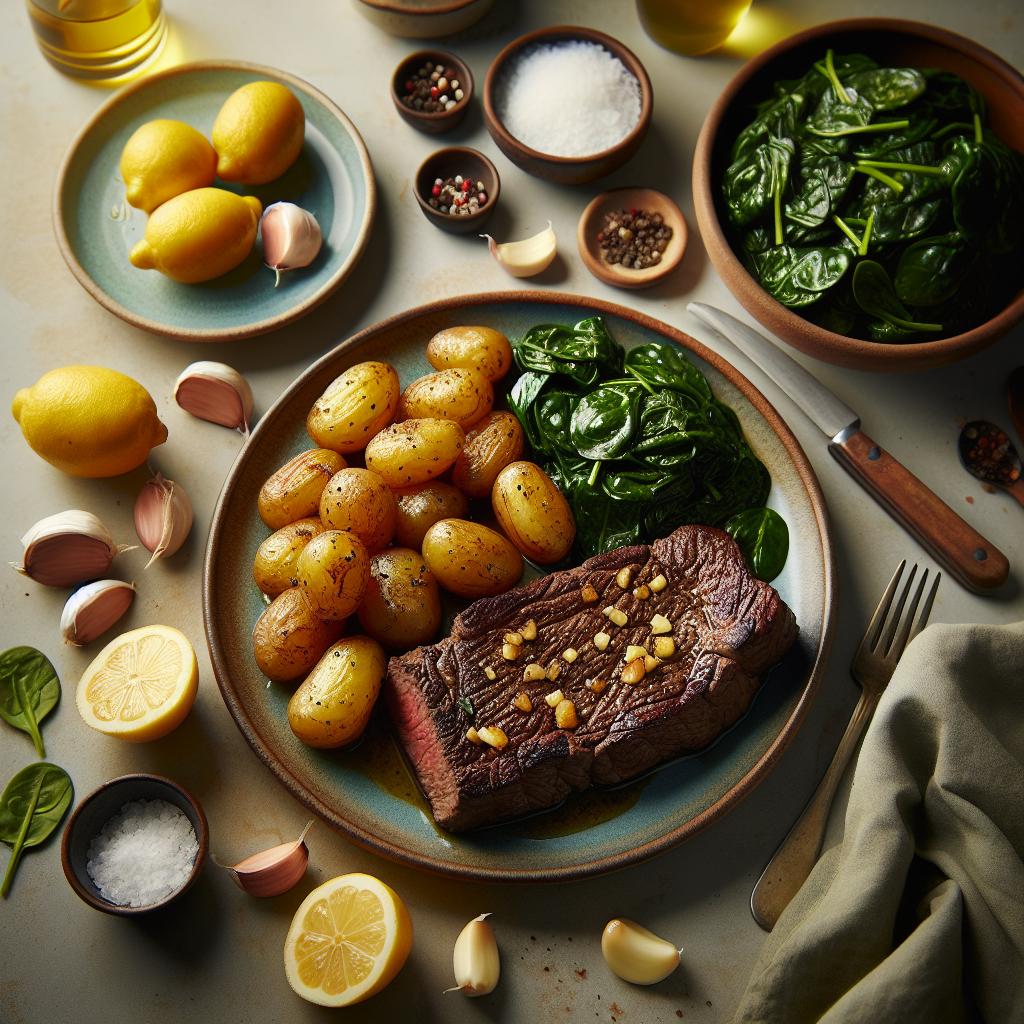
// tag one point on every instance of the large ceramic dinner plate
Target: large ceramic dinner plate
(366, 792)
(96, 228)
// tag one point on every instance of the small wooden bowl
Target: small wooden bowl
(567, 170)
(424, 19)
(439, 121)
(447, 163)
(98, 808)
(592, 221)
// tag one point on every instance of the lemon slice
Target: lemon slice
(141, 686)
(347, 941)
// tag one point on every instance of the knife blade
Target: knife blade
(951, 540)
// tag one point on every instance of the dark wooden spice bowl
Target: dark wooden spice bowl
(442, 120)
(592, 221)
(903, 43)
(447, 163)
(568, 170)
(98, 808)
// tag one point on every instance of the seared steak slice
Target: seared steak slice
(729, 629)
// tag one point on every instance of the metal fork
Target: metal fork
(873, 665)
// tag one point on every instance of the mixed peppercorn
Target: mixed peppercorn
(432, 89)
(634, 239)
(457, 196)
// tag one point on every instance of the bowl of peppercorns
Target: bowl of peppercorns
(457, 189)
(431, 90)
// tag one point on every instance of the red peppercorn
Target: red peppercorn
(465, 185)
(434, 92)
(436, 190)
(459, 200)
(410, 85)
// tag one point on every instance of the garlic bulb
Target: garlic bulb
(67, 549)
(636, 954)
(274, 871)
(91, 610)
(163, 517)
(476, 959)
(215, 392)
(528, 256)
(291, 238)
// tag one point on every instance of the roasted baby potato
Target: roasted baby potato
(289, 637)
(273, 569)
(495, 442)
(401, 607)
(533, 512)
(293, 492)
(476, 348)
(421, 506)
(332, 571)
(334, 703)
(462, 395)
(471, 560)
(354, 407)
(359, 501)
(414, 451)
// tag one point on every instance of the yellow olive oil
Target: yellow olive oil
(691, 26)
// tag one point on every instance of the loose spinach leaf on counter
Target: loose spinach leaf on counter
(31, 807)
(763, 537)
(29, 691)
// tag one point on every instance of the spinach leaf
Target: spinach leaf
(666, 366)
(874, 293)
(763, 537)
(579, 353)
(883, 144)
(888, 88)
(521, 399)
(833, 115)
(602, 523)
(754, 180)
(29, 691)
(605, 421)
(777, 119)
(31, 807)
(930, 271)
(798, 277)
(552, 415)
(896, 222)
(821, 191)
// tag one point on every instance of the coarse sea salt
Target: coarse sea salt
(143, 854)
(571, 98)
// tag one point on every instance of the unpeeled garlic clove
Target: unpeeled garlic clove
(636, 954)
(476, 959)
(163, 517)
(91, 610)
(215, 392)
(291, 238)
(528, 256)
(68, 548)
(274, 871)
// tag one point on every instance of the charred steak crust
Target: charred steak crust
(729, 629)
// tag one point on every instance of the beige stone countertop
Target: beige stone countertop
(216, 955)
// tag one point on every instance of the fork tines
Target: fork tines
(901, 630)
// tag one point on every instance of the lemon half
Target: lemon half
(141, 686)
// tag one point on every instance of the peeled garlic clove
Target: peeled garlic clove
(636, 954)
(216, 393)
(274, 871)
(528, 256)
(476, 959)
(163, 517)
(291, 238)
(91, 610)
(67, 549)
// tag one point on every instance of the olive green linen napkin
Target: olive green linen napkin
(917, 915)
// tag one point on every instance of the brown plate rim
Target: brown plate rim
(741, 789)
(213, 334)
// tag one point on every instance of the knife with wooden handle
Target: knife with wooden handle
(951, 541)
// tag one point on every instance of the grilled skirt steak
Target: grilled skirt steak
(729, 629)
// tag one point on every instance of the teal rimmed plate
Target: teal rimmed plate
(96, 228)
(365, 792)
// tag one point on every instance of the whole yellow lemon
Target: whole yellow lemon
(89, 421)
(258, 133)
(164, 158)
(199, 235)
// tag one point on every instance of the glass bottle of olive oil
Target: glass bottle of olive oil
(691, 26)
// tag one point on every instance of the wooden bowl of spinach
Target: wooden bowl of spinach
(860, 188)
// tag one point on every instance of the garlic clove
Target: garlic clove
(636, 954)
(66, 549)
(528, 256)
(476, 959)
(163, 517)
(215, 392)
(291, 238)
(274, 871)
(91, 610)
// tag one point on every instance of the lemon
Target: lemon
(258, 133)
(199, 235)
(141, 686)
(164, 158)
(89, 421)
(347, 941)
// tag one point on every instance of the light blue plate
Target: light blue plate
(96, 228)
